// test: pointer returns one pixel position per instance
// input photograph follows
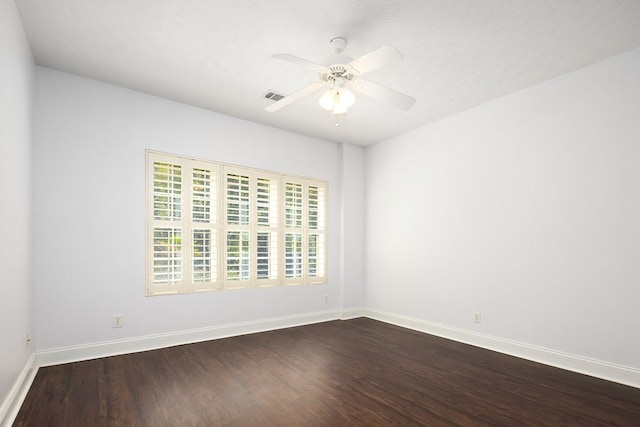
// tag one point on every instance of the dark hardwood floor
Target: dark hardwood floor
(341, 373)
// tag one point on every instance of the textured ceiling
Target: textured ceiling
(217, 54)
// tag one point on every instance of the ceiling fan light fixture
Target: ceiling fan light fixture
(326, 101)
(337, 100)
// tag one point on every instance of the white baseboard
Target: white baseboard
(353, 313)
(583, 365)
(13, 402)
(97, 350)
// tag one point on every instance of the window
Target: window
(217, 226)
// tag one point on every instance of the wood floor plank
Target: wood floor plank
(358, 372)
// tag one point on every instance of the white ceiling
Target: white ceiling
(216, 54)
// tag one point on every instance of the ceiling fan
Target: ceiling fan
(341, 74)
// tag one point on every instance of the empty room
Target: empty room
(305, 213)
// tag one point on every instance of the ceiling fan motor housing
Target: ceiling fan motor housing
(337, 75)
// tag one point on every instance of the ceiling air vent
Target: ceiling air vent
(273, 96)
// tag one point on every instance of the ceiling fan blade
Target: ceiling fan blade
(294, 97)
(375, 59)
(298, 61)
(375, 90)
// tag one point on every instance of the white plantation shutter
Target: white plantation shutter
(204, 224)
(266, 228)
(294, 229)
(316, 255)
(167, 202)
(237, 228)
(250, 227)
(182, 225)
(213, 226)
(305, 232)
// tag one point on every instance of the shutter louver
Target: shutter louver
(237, 200)
(201, 195)
(237, 255)
(167, 255)
(293, 255)
(167, 191)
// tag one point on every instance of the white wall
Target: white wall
(526, 209)
(89, 150)
(16, 82)
(353, 224)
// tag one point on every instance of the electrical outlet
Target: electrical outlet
(117, 320)
(326, 298)
(27, 340)
(477, 317)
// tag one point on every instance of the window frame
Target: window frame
(264, 185)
